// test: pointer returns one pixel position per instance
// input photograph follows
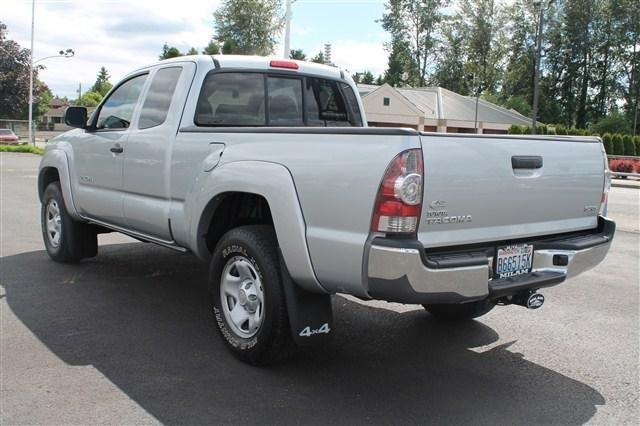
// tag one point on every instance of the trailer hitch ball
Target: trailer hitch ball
(529, 299)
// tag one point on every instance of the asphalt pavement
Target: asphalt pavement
(126, 338)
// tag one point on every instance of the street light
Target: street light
(67, 53)
(536, 74)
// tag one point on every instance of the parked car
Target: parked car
(8, 137)
(266, 169)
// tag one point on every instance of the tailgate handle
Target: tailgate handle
(526, 162)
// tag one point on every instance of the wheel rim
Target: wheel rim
(53, 223)
(242, 297)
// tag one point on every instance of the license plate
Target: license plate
(514, 260)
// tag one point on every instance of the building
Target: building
(53, 119)
(434, 109)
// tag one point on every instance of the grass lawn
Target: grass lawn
(21, 148)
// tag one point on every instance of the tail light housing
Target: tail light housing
(399, 199)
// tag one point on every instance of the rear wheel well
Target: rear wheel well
(47, 176)
(235, 209)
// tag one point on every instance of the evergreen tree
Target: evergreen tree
(102, 84)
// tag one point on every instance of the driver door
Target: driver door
(99, 154)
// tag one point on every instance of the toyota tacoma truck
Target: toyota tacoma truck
(266, 169)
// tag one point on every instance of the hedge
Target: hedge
(618, 144)
(629, 145)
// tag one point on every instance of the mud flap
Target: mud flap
(310, 314)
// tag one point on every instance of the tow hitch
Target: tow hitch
(528, 299)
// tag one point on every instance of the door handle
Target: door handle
(117, 149)
(526, 162)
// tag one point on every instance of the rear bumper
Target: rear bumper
(402, 271)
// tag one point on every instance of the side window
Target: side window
(232, 99)
(156, 104)
(285, 101)
(117, 111)
(325, 104)
(355, 118)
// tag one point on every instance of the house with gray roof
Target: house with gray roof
(434, 109)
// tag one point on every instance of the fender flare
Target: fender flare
(273, 182)
(57, 159)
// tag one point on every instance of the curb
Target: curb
(625, 185)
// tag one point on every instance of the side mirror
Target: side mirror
(76, 117)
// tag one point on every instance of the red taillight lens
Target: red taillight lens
(284, 64)
(399, 200)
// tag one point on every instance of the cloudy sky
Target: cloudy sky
(123, 34)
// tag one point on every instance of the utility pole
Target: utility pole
(536, 75)
(287, 31)
(33, 13)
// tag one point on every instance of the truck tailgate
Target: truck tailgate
(481, 188)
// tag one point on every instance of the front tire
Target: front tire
(65, 239)
(247, 296)
(460, 311)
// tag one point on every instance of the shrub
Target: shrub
(608, 143)
(618, 145)
(636, 140)
(526, 130)
(515, 130)
(21, 148)
(561, 130)
(551, 131)
(629, 146)
(621, 166)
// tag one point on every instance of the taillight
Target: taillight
(399, 199)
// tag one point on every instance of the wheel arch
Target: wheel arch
(54, 166)
(253, 192)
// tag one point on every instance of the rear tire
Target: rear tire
(460, 311)
(65, 239)
(247, 296)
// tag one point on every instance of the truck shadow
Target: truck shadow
(138, 314)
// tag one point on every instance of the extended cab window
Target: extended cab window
(117, 110)
(232, 99)
(156, 104)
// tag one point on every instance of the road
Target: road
(126, 338)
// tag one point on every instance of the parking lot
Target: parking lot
(126, 337)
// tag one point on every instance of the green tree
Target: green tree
(365, 77)
(250, 26)
(213, 48)
(398, 63)
(297, 54)
(102, 84)
(169, 52)
(636, 140)
(89, 99)
(415, 24)
(481, 23)
(618, 144)
(319, 58)
(192, 51)
(615, 122)
(14, 76)
(449, 72)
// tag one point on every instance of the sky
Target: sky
(123, 35)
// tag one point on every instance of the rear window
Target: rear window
(5, 132)
(257, 99)
(156, 105)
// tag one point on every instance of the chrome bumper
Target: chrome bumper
(400, 275)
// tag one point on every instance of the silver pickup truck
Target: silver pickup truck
(266, 169)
